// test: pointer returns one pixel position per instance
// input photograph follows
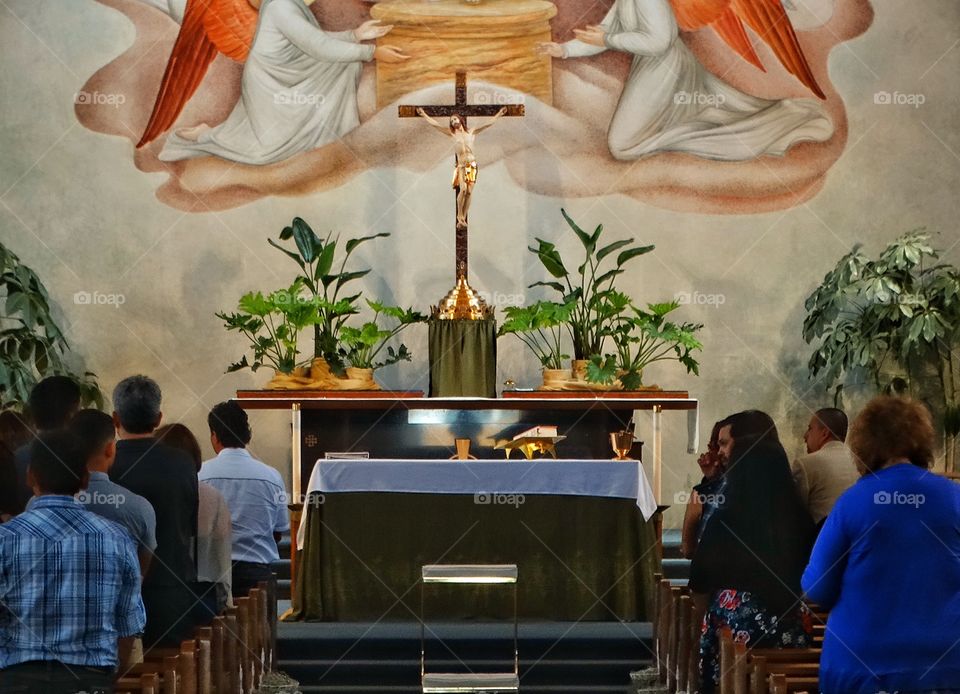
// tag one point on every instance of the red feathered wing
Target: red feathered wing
(209, 27)
(768, 20)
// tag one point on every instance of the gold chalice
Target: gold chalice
(621, 442)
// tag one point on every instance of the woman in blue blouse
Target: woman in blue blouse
(887, 563)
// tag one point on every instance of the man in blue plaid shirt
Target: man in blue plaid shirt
(69, 584)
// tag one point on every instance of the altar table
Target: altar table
(578, 531)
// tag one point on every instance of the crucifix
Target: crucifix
(462, 302)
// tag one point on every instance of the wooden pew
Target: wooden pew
(147, 683)
(781, 684)
(752, 671)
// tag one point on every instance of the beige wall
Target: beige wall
(73, 205)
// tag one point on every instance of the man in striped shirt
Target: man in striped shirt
(70, 601)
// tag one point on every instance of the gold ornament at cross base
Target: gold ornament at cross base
(462, 303)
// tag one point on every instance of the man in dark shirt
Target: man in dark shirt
(167, 478)
(52, 402)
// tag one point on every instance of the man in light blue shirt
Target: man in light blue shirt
(254, 493)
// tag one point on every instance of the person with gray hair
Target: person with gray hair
(828, 470)
(167, 478)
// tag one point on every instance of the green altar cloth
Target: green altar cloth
(579, 558)
(463, 358)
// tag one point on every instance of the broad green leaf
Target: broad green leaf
(305, 239)
(290, 254)
(589, 241)
(550, 258)
(353, 243)
(552, 285)
(631, 253)
(612, 248)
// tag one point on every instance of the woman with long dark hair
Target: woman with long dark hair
(753, 548)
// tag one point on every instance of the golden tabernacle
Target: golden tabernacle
(493, 41)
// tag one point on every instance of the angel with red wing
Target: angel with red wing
(299, 83)
(672, 103)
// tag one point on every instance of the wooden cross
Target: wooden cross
(461, 108)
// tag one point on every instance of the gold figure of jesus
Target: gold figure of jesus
(465, 171)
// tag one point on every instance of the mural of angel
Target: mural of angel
(693, 151)
(299, 83)
(672, 103)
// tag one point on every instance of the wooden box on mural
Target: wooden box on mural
(494, 41)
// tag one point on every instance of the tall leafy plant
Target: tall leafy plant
(895, 320)
(539, 327)
(589, 286)
(643, 337)
(325, 278)
(272, 324)
(32, 344)
(361, 346)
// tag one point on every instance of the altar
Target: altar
(578, 531)
(582, 529)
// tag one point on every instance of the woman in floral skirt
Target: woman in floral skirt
(754, 549)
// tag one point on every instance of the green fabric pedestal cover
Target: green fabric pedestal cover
(463, 358)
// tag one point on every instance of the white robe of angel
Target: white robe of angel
(672, 103)
(298, 91)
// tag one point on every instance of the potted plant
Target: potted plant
(589, 287)
(325, 279)
(643, 337)
(540, 327)
(32, 344)
(893, 321)
(360, 347)
(272, 324)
